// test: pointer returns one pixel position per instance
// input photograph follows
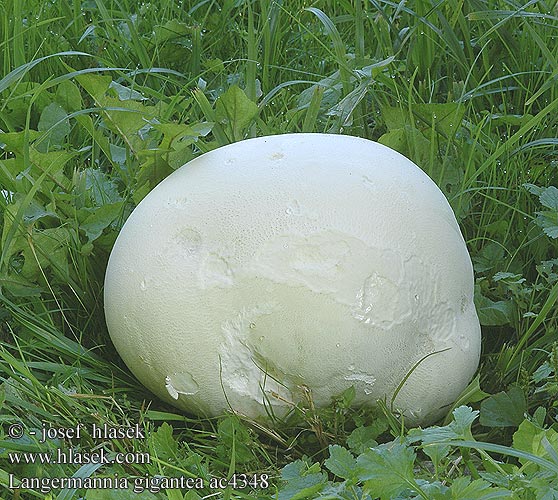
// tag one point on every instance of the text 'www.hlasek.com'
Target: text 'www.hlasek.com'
(56, 454)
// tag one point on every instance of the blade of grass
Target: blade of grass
(338, 47)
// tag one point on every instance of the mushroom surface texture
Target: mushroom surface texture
(292, 265)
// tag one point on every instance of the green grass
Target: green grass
(100, 100)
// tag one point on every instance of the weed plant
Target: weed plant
(102, 99)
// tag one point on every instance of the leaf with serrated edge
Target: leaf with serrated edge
(549, 198)
(300, 482)
(505, 409)
(387, 470)
(341, 462)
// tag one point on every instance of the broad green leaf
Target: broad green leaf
(464, 416)
(549, 223)
(395, 118)
(387, 470)
(497, 229)
(509, 278)
(163, 443)
(69, 96)
(337, 491)
(514, 120)
(459, 428)
(52, 162)
(549, 269)
(149, 174)
(548, 219)
(363, 438)
(55, 123)
(128, 119)
(102, 190)
(50, 251)
(20, 98)
(532, 439)
(118, 154)
(395, 139)
(505, 409)
(416, 133)
(533, 189)
(301, 482)
(549, 198)
(490, 256)
(543, 372)
(35, 211)
(173, 53)
(140, 192)
(178, 139)
(175, 134)
(100, 219)
(235, 112)
(15, 142)
(171, 30)
(32, 212)
(463, 488)
(492, 313)
(410, 142)
(432, 490)
(341, 462)
(18, 286)
(445, 118)
(214, 65)
(126, 94)
(95, 85)
(542, 489)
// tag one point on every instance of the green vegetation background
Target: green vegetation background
(100, 100)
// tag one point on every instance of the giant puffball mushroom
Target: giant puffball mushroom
(295, 263)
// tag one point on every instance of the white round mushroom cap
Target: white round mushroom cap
(295, 262)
